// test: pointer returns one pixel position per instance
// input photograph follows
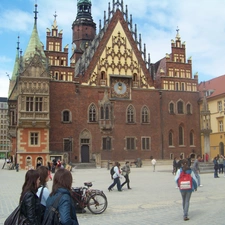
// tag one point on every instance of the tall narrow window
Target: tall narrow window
(170, 138)
(106, 143)
(67, 144)
(180, 107)
(107, 112)
(145, 115)
(29, 104)
(34, 138)
(145, 143)
(92, 113)
(220, 126)
(181, 135)
(171, 108)
(38, 104)
(130, 114)
(66, 116)
(188, 109)
(220, 107)
(191, 138)
(102, 113)
(130, 143)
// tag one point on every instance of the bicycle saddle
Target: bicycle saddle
(88, 184)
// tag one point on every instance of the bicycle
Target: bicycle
(95, 200)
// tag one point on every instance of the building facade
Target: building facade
(212, 116)
(107, 102)
(4, 121)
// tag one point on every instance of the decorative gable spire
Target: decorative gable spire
(34, 46)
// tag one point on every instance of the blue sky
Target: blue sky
(201, 24)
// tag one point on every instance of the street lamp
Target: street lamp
(70, 145)
(108, 148)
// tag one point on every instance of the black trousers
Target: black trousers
(127, 181)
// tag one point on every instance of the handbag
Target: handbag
(15, 218)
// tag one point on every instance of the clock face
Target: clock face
(120, 88)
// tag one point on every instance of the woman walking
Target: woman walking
(126, 172)
(116, 178)
(186, 186)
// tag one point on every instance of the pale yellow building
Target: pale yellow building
(212, 107)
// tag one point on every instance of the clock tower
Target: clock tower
(84, 29)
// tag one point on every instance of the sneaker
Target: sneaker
(186, 218)
(200, 185)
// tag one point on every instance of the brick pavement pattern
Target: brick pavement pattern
(153, 199)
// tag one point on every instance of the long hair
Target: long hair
(43, 173)
(185, 165)
(30, 183)
(62, 179)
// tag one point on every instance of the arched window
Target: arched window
(66, 116)
(107, 112)
(188, 108)
(130, 114)
(92, 113)
(171, 109)
(191, 138)
(170, 138)
(180, 107)
(145, 115)
(181, 135)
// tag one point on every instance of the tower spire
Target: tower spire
(35, 14)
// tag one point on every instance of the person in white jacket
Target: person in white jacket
(116, 178)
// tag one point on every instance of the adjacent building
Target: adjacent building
(105, 102)
(4, 141)
(212, 108)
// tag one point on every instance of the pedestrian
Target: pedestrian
(196, 169)
(220, 161)
(179, 162)
(153, 163)
(174, 166)
(187, 189)
(43, 192)
(216, 166)
(30, 207)
(38, 163)
(116, 177)
(126, 171)
(62, 184)
(49, 171)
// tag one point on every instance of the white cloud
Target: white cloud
(201, 24)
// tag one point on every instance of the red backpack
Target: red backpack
(185, 181)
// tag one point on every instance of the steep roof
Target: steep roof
(213, 87)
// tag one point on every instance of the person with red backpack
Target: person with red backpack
(187, 183)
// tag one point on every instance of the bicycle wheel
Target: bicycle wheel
(97, 203)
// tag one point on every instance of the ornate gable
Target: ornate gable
(117, 54)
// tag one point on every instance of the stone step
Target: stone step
(84, 166)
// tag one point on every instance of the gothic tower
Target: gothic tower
(84, 29)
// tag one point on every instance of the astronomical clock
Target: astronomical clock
(120, 88)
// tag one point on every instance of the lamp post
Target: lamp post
(70, 145)
(108, 148)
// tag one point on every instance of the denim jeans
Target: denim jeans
(186, 196)
(116, 182)
(197, 177)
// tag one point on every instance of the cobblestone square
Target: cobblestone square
(153, 199)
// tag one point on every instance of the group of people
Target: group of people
(117, 174)
(219, 165)
(36, 200)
